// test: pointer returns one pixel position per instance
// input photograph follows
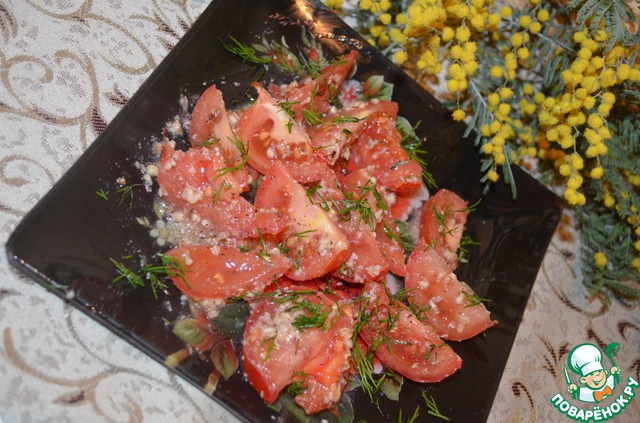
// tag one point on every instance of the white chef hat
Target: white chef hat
(585, 359)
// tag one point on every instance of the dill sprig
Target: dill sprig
(212, 140)
(360, 204)
(432, 407)
(126, 193)
(299, 385)
(363, 362)
(244, 157)
(341, 119)
(412, 145)
(473, 299)
(412, 419)
(154, 274)
(101, 193)
(312, 117)
(463, 251)
(311, 315)
(244, 51)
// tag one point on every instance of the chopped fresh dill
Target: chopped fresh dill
(463, 252)
(433, 407)
(471, 208)
(363, 361)
(323, 204)
(272, 342)
(154, 274)
(126, 192)
(209, 142)
(474, 299)
(311, 191)
(303, 234)
(346, 119)
(312, 67)
(264, 254)
(413, 418)
(312, 117)
(441, 218)
(134, 279)
(286, 107)
(433, 348)
(361, 205)
(282, 247)
(102, 194)
(297, 260)
(298, 386)
(312, 316)
(216, 196)
(412, 145)
(246, 53)
(244, 154)
(420, 312)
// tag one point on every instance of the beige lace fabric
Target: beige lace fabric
(66, 68)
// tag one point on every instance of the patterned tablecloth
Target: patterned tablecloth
(66, 68)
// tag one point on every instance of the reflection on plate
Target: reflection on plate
(66, 240)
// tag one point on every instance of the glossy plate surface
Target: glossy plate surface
(65, 242)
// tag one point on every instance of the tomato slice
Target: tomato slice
(271, 134)
(194, 183)
(316, 93)
(406, 345)
(366, 262)
(379, 151)
(224, 272)
(210, 128)
(442, 223)
(325, 376)
(313, 241)
(451, 306)
(342, 126)
(302, 336)
(388, 239)
(365, 190)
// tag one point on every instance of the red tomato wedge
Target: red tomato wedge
(366, 262)
(313, 241)
(442, 223)
(316, 93)
(210, 128)
(452, 307)
(270, 134)
(224, 272)
(194, 182)
(388, 239)
(302, 336)
(363, 188)
(379, 151)
(345, 125)
(326, 374)
(406, 345)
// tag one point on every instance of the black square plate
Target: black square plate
(66, 240)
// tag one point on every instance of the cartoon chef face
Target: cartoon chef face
(595, 380)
